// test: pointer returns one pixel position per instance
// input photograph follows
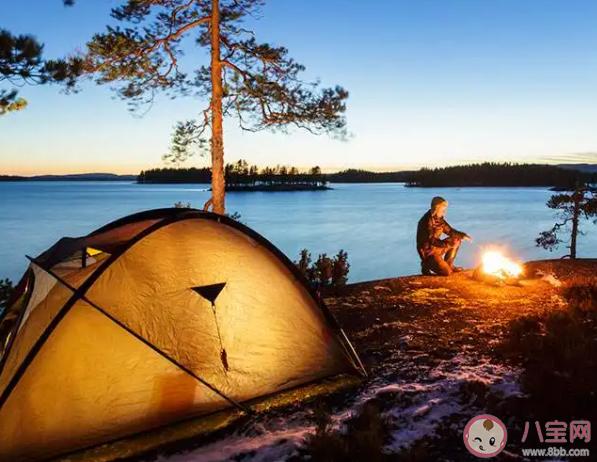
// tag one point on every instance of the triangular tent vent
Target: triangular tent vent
(210, 292)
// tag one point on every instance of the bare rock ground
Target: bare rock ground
(439, 352)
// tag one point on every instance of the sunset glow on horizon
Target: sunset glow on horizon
(28, 169)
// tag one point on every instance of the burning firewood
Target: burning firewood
(498, 270)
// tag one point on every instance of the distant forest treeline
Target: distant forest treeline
(365, 176)
(71, 177)
(495, 174)
(240, 174)
(243, 174)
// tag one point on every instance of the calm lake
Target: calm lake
(374, 223)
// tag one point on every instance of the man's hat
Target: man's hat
(437, 201)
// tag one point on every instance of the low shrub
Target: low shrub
(325, 272)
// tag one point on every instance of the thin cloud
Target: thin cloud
(573, 158)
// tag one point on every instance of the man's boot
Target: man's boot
(425, 271)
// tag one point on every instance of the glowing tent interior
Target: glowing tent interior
(152, 319)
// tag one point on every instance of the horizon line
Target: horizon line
(328, 170)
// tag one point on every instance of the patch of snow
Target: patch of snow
(516, 456)
(420, 406)
(550, 278)
(268, 447)
(463, 368)
(395, 388)
(441, 398)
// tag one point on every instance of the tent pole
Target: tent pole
(354, 354)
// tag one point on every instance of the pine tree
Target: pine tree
(258, 83)
(582, 203)
(304, 263)
(340, 269)
(323, 271)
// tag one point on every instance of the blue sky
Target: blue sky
(432, 82)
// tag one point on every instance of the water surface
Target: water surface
(374, 223)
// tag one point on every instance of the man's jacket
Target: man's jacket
(429, 232)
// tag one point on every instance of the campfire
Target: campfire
(496, 268)
(495, 264)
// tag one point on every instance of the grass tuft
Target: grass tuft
(362, 437)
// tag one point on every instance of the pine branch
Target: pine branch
(22, 64)
(262, 87)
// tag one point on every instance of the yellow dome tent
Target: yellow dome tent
(152, 319)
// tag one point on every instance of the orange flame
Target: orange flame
(495, 264)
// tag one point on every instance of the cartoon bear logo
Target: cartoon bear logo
(485, 436)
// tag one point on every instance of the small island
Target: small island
(277, 187)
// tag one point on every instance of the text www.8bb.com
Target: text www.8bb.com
(558, 452)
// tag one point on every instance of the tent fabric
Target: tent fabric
(114, 385)
(30, 331)
(259, 292)
(192, 314)
(7, 327)
(44, 283)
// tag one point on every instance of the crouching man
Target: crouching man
(438, 255)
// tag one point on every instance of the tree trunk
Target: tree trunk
(575, 216)
(218, 186)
